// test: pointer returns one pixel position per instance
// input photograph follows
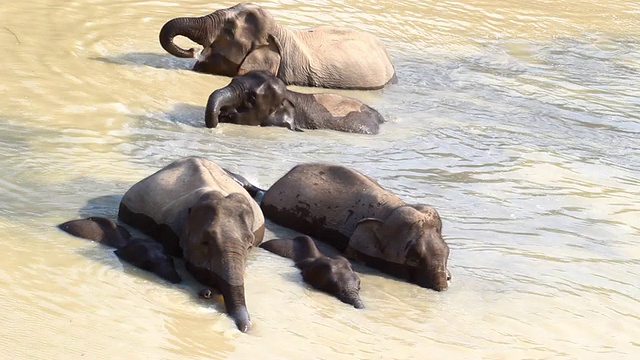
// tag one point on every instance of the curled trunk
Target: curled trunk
(202, 30)
(218, 99)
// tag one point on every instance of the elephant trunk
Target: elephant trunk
(201, 30)
(352, 298)
(226, 96)
(435, 276)
(231, 285)
(235, 304)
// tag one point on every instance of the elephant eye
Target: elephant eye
(228, 32)
(412, 262)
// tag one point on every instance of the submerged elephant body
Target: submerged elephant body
(259, 98)
(369, 224)
(197, 210)
(246, 37)
(141, 253)
(331, 274)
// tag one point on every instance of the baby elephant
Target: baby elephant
(332, 275)
(259, 98)
(142, 253)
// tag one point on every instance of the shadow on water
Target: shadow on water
(155, 60)
(106, 206)
(187, 114)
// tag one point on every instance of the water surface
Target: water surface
(519, 121)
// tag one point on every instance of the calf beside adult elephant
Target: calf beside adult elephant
(331, 274)
(369, 224)
(246, 37)
(142, 253)
(259, 98)
(197, 210)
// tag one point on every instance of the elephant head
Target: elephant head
(407, 243)
(215, 243)
(235, 40)
(259, 98)
(331, 274)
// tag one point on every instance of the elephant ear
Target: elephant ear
(284, 116)
(366, 239)
(264, 57)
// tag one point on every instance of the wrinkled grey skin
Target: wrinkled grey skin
(199, 211)
(331, 274)
(261, 99)
(367, 223)
(245, 37)
(141, 253)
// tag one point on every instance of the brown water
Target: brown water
(518, 120)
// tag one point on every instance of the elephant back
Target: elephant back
(158, 205)
(326, 201)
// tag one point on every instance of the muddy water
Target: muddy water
(518, 120)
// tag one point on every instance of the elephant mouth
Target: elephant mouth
(230, 114)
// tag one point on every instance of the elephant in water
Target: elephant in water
(141, 253)
(259, 98)
(246, 37)
(198, 210)
(331, 274)
(360, 218)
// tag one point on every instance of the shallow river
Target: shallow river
(519, 121)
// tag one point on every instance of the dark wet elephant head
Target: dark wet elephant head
(261, 99)
(216, 241)
(257, 98)
(235, 40)
(410, 241)
(331, 274)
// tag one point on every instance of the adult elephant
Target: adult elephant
(246, 37)
(369, 224)
(259, 98)
(197, 210)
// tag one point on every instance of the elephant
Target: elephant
(259, 98)
(139, 252)
(246, 37)
(331, 274)
(364, 221)
(199, 211)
